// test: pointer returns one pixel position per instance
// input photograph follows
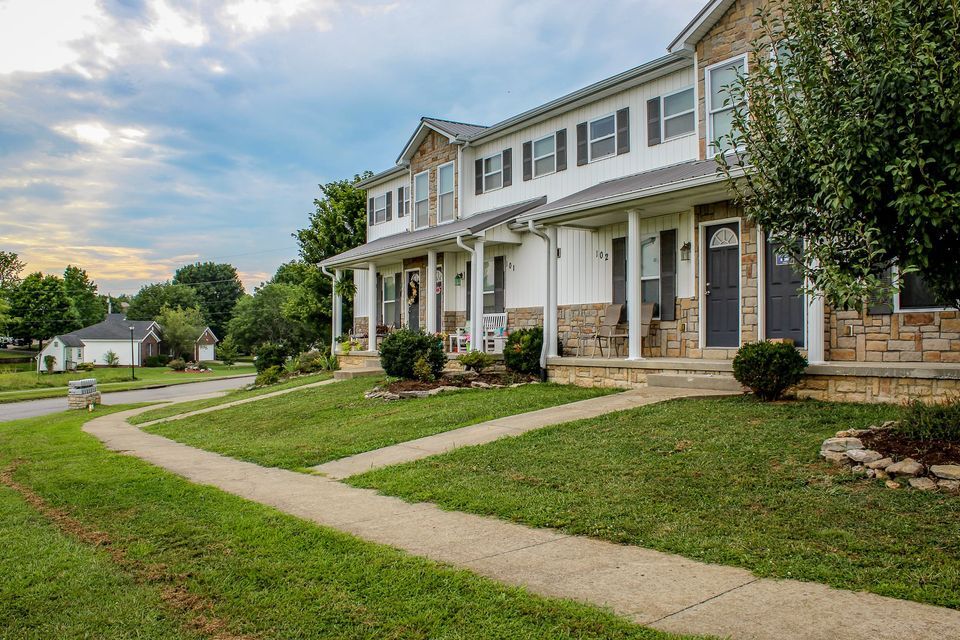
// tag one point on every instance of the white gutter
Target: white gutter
(335, 311)
(546, 302)
(474, 328)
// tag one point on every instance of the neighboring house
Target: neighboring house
(205, 348)
(611, 194)
(91, 344)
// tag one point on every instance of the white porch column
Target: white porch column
(431, 292)
(633, 286)
(815, 330)
(372, 307)
(550, 321)
(476, 305)
(336, 321)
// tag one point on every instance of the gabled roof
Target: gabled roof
(699, 26)
(460, 130)
(116, 327)
(454, 131)
(71, 340)
(380, 177)
(205, 332)
(432, 235)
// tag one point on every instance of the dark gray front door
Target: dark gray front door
(784, 298)
(413, 299)
(722, 285)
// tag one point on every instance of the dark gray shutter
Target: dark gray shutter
(389, 205)
(507, 159)
(668, 274)
(653, 122)
(881, 306)
(582, 157)
(469, 292)
(400, 202)
(379, 315)
(478, 176)
(370, 212)
(623, 131)
(527, 161)
(562, 150)
(619, 257)
(397, 287)
(499, 276)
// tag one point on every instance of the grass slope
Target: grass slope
(728, 481)
(173, 559)
(316, 425)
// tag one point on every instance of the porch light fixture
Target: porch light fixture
(458, 279)
(685, 251)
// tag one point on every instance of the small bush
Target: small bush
(49, 362)
(270, 375)
(111, 359)
(475, 361)
(928, 422)
(330, 363)
(270, 354)
(402, 348)
(156, 361)
(310, 361)
(522, 351)
(177, 364)
(768, 368)
(422, 370)
(86, 366)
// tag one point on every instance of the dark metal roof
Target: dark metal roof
(71, 340)
(470, 225)
(455, 129)
(378, 177)
(115, 327)
(627, 185)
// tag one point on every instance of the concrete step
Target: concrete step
(360, 372)
(717, 382)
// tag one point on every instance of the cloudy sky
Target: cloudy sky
(139, 135)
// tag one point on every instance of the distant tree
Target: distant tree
(849, 121)
(10, 269)
(263, 318)
(4, 314)
(219, 288)
(152, 298)
(82, 292)
(181, 328)
(40, 308)
(294, 272)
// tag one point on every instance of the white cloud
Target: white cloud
(250, 16)
(169, 25)
(41, 38)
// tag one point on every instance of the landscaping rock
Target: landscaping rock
(836, 457)
(461, 375)
(906, 467)
(892, 485)
(881, 474)
(852, 433)
(417, 394)
(476, 384)
(923, 484)
(890, 424)
(882, 463)
(952, 486)
(858, 470)
(841, 444)
(946, 471)
(871, 473)
(864, 456)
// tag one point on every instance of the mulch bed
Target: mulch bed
(927, 452)
(501, 379)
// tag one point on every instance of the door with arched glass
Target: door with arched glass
(722, 285)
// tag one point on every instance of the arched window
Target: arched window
(723, 237)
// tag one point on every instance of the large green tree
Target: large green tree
(11, 266)
(40, 308)
(851, 139)
(152, 298)
(82, 292)
(181, 328)
(219, 288)
(264, 317)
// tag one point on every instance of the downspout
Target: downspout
(546, 302)
(473, 327)
(333, 311)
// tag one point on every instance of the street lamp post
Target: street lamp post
(132, 376)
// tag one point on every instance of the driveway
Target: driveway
(33, 408)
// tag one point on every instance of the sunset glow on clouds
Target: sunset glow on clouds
(139, 135)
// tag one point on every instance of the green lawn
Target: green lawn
(729, 481)
(29, 386)
(120, 549)
(239, 394)
(317, 425)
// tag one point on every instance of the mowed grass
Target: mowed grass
(176, 409)
(118, 548)
(729, 481)
(307, 428)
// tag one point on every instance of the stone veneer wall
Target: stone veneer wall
(877, 389)
(434, 151)
(360, 325)
(855, 336)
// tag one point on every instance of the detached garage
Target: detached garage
(205, 348)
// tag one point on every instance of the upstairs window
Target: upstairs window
(603, 140)
(445, 208)
(421, 199)
(380, 209)
(403, 201)
(678, 119)
(545, 155)
(493, 172)
(720, 104)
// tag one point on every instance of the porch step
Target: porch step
(359, 372)
(711, 382)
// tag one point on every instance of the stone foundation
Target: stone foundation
(855, 336)
(82, 401)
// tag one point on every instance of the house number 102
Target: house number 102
(601, 255)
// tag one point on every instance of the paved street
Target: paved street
(33, 408)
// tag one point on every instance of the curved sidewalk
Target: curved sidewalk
(652, 588)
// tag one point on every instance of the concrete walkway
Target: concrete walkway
(500, 428)
(656, 589)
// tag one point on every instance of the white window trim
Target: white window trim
(453, 190)
(896, 300)
(492, 173)
(383, 296)
(413, 212)
(590, 140)
(664, 117)
(534, 157)
(655, 238)
(403, 206)
(713, 151)
(376, 208)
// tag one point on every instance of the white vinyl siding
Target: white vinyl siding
(602, 137)
(720, 105)
(421, 200)
(396, 224)
(493, 172)
(445, 191)
(678, 114)
(545, 155)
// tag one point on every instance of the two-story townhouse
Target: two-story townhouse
(611, 195)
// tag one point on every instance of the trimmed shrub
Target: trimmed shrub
(401, 349)
(768, 368)
(177, 364)
(86, 366)
(270, 375)
(928, 422)
(156, 361)
(270, 354)
(522, 351)
(422, 370)
(475, 361)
